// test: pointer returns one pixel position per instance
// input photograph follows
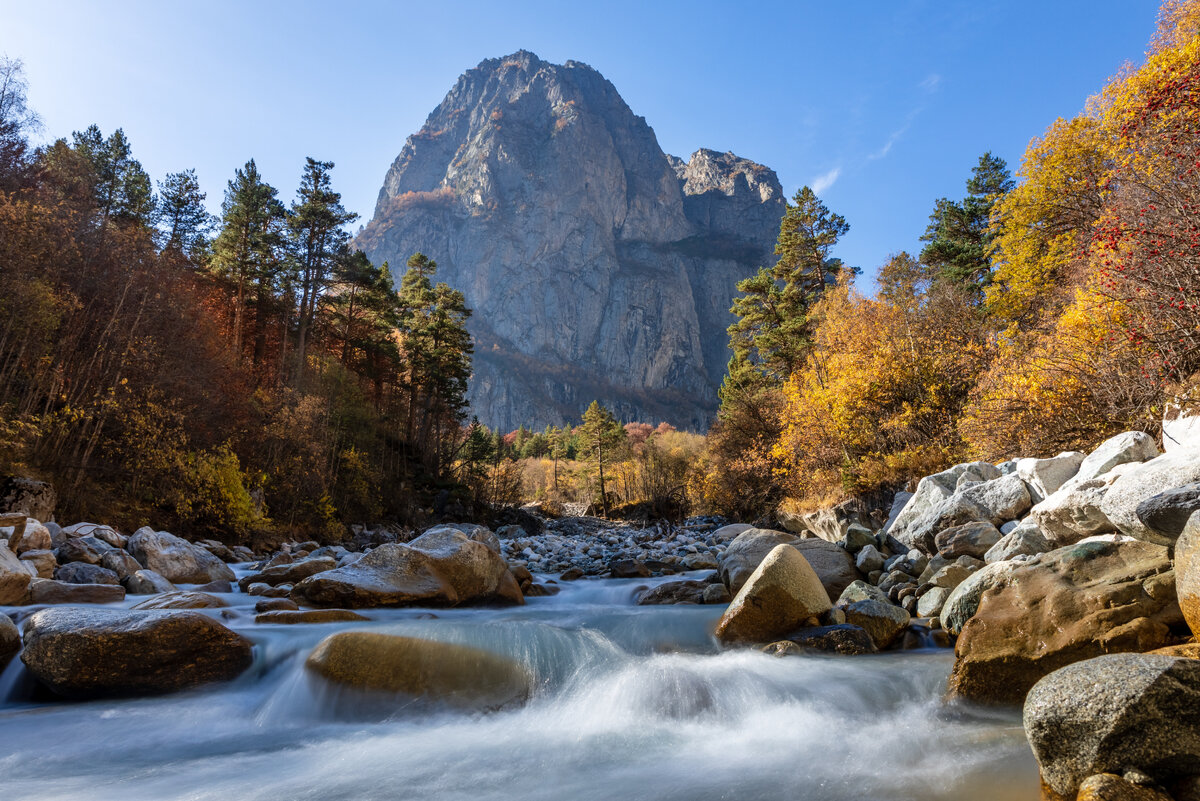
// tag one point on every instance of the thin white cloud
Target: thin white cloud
(931, 83)
(825, 180)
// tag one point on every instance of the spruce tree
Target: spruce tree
(773, 331)
(183, 220)
(601, 436)
(959, 234)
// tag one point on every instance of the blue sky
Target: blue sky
(883, 106)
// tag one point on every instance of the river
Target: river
(633, 703)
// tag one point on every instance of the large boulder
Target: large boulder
(182, 600)
(1045, 476)
(840, 638)
(1166, 513)
(994, 501)
(84, 653)
(1167, 472)
(290, 572)
(969, 539)
(50, 591)
(675, 592)
(14, 578)
(963, 601)
(884, 622)
(176, 559)
(779, 597)
(455, 674)
(1074, 512)
(443, 567)
(1130, 447)
(34, 537)
(83, 573)
(87, 549)
(1187, 572)
(1065, 606)
(1115, 713)
(832, 563)
(146, 582)
(34, 498)
(10, 641)
(1024, 540)
(931, 491)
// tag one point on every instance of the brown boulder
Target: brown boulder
(780, 596)
(457, 674)
(182, 600)
(1187, 571)
(14, 578)
(833, 565)
(85, 653)
(309, 616)
(1065, 606)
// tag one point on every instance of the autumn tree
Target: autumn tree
(16, 121)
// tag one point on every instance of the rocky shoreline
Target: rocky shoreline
(1069, 584)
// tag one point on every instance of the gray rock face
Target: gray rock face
(597, 266)
(1024, 540)
(969, 539)
(1144, 481)
(1167, 513)
(1114, 713)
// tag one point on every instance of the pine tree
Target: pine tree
(248, 251)
(773, 331)
(184, 221)
(121, 187)
(959, 235)
(601, 436)
(316, 222)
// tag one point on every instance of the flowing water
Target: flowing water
(631, 703)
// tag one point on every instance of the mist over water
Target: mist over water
(630, 703)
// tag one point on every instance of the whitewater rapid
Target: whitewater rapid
(630, 703)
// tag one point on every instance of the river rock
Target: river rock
(931, 491)
(1025, 539)
(1045, 476)
(993, 501)
(869, 559)
(746, 552)
(931, 603)
(884, 622)
(675, 592)
(860, 591)
(14, 578)
(1187, 572)
(969, 539)
(963, 601)
(49, 591)
(841, 638)
(10, 641)
(1073, 513)
(85, 653)
(832, 564)
(289, 573)
(146, 582)
(1111, 787)
(780, 595)
(83, 573)
(35, 537)
(106, 534)
(182, 600)
(1114, 713)
(440, 568)
(120, 562)
(446, 672)
(290, 616)
(628, 568)
(1166, 513)
(176, 559)
(1130, 447)
(87, 549)
(1143, 482)
(1068, 605)
(727, 534)
(43, 562)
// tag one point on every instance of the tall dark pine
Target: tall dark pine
(183, 220)
(316, 224)
(121, 187)
(773, 331)
(248, 251)
(958, 235)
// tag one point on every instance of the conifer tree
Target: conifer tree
(959, 235)
(121, 187)
(184, 221)
(773, 331)
(601, 436)
(248, 250)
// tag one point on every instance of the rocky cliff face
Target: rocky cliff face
(598, 267)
